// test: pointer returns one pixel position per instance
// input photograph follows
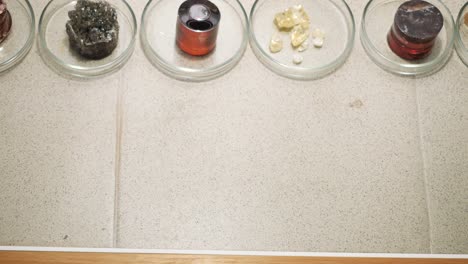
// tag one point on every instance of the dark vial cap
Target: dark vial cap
(418, 21)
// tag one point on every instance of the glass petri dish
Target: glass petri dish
(376, 22)
(461, 34)
(19, 41)
(158, 40)
(331, 16)
(55, 49)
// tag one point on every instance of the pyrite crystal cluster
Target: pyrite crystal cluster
(5, 21)
(93, 29)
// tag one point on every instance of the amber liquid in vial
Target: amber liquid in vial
(414, 31)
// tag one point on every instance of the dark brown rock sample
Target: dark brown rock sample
(93, 29)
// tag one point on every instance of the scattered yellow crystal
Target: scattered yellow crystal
(304, 46)
(291, 17)
(318, 36)
(297, 59)
(317, 33)
(284, 20)
(300, 16)
(298, 36)
(296, 21)
(318, 42)
(276, 43)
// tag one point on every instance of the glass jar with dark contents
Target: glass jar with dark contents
(197, 27)
(416, 26)
(5, 21)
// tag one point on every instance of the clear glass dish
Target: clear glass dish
(18, 43)
(461, 35)
(376, 22)
(331, 16)
(55, 49)
(158, 40)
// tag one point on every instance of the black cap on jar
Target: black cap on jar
(199, 15)
(418, 21)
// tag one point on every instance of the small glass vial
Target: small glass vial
(197, 27)
(5, 21)
(414, 31)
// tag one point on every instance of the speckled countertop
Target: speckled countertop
(360, 161)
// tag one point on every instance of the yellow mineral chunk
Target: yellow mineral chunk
(276, 43)
(304, 46)
(291, 17)
(300, 16)
(284, 20)
(298, 36)
(296, 21)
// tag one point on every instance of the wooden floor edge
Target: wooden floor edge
(32, 257)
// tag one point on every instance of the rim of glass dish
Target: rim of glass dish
(425, 67)
(458, 25)
(80, 71)
(28, 44)
(323, 70)
(180, 73)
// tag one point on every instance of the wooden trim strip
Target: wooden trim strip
(30, 257)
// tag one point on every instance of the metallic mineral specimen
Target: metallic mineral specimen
(93, 29)
(5, 21)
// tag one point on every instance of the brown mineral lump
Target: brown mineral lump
(466, 19)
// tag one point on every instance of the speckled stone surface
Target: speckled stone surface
(266, 163)
(340, 164)
(443, 110)
(444, 127)
(57, 152)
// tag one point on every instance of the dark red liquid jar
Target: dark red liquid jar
(414, 31)
(5, 21)
(197, 27)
